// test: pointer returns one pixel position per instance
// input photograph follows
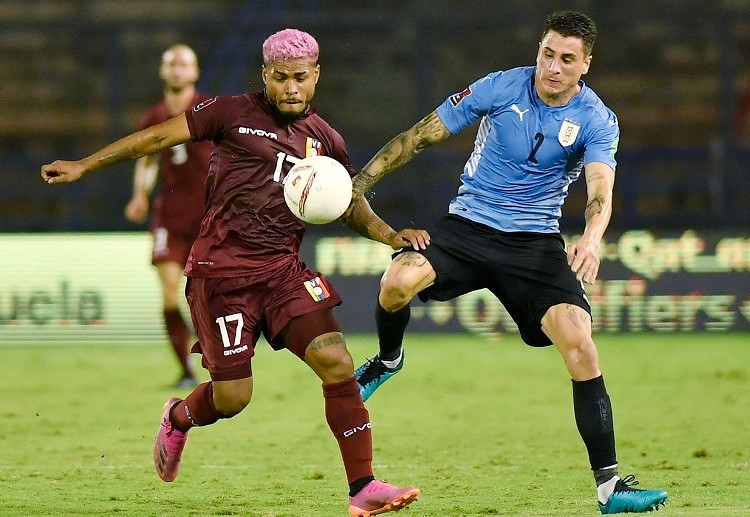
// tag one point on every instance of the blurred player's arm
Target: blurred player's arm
(582, 255)
(362, 219)
(147, 141)
(144, 181)
(399, 151)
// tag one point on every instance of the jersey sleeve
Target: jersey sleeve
(339, 153)
(601, 146)
(461, 109)
(207, 119)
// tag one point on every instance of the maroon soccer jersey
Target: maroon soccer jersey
(179, 207)
(247, 222)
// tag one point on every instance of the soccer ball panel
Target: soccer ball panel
(318, 189)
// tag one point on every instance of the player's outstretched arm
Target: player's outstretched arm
(148, 141)
(399, 151)
(582, 255)
(362, 219)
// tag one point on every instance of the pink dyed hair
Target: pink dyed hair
(290, 44)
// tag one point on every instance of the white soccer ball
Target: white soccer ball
(318, 189)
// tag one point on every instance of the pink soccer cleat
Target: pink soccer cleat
(378, 497)
(168, 446)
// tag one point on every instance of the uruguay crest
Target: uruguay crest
(568, 133)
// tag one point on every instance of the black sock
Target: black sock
(391, 327)
(593, 413)
(358, 485)
(605, 474)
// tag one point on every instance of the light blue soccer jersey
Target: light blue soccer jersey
(526, 153)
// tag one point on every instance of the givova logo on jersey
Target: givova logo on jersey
(317, 289)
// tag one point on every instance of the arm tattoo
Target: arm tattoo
(595, 206)
(400, 150)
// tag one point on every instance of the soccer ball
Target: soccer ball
(318, 189)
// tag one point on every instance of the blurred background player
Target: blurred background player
(245, 275)
(178, 209)
(541, 126)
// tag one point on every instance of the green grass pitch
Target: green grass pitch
(482, 427)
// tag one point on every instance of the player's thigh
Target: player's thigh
(170, 275)
(456, 265)
(226, 315)
(567, 325)
(316, 338)
(296, 294)
(529, 274)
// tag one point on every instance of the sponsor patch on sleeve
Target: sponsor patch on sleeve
(317, 289)
(458, 97)
(203, 104)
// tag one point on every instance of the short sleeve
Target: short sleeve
(339, 153)
(207, 119)
(461, 109)
(601, 146)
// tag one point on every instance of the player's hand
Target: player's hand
(136, 211)
(410, 238)
(61, 171)
(583, 260)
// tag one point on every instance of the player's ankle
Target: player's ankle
(393, 358)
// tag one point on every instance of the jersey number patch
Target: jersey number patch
(539, 137)
(280, 159)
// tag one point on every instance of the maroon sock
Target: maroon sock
(197, 409)
(179, 334)
(350, 423)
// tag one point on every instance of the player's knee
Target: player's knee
(332, 362)
(231, 399)
(394, 293)
(230, 406)
(581, 358)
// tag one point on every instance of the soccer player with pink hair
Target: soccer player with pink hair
(245, 275)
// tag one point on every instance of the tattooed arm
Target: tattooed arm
(148, 141)
(428, 131)
(361, 218)
(582, 255)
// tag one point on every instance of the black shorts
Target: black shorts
(527, 272)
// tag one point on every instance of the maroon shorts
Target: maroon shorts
(170, 247)
(229, 314)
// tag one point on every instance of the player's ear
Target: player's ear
(263, 73)
(586, 64)
(316, 73)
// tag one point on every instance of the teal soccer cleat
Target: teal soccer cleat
(374, 373)
(626, 499)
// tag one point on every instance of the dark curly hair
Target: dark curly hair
(572, 24)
